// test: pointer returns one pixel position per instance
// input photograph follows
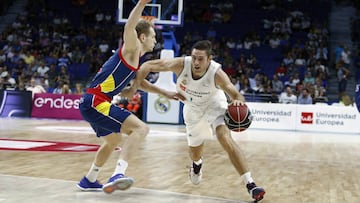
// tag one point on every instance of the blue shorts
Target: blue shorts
(104, 117)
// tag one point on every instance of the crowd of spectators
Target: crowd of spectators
(42, 46)
(41, 49)
(304, 67)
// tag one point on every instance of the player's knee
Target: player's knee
(226, 141)
(142, 130)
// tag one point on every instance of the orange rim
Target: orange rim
(149, 18)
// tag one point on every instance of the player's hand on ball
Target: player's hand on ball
(237, 102)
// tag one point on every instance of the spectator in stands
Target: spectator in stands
(35, 88)
(104, 48)
(338, 52)
(59, 87)
(7, 80)
(63, 75)
(77, 55)
(274, 98)
(20, 86)
(79, 88)
(300, 61)
(277, 85)
(274, 41)
(2, 56)
(346, 57)
(28, 57)
(52, 75)
(281, 70)
(288, 59)
(319, 91)
(342, 76)
(42, 68)
(288, 97)
(65, 89)
(235, 81)
(245, 86)
(305, 97)
(64, 60)
(211, 33)
(309, 78)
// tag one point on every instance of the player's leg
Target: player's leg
(136, 131)
(196, 135)
(196, 130)
(237, 158)
(89, 181)
(195, 173)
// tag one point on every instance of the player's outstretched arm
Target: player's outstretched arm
(158, 65)
(149, 87)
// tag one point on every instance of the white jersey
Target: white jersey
(202, 92)
(205, 104)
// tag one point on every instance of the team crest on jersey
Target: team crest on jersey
(183, 85)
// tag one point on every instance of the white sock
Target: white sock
(93, 173)
(247, 178)
(198, 162)
(121, 167)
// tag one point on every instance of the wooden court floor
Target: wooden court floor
(294, 167)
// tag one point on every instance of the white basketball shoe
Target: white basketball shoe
(195, 173)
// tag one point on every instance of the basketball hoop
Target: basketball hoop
(150, 19)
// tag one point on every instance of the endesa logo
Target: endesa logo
(57, 103)
(306, 117)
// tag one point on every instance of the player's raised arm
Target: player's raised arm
(130, 34)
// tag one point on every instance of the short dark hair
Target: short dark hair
(203, 45)
(143, 27)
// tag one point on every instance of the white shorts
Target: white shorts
(201, 125)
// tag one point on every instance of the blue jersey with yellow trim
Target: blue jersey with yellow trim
(114, 75)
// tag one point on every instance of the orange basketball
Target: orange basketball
(238, 118)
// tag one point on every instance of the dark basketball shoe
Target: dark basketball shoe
(86, 185)
(257, 193)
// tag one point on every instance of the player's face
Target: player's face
(150, 40)
(200, 62)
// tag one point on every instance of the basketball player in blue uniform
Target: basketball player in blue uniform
(203, 84)
(110, 121)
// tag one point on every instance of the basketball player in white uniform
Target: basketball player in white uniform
(202, 85)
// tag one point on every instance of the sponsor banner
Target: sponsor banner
(59, 106)
(15, 103)
(320, 118)
(272, 116)
(328, 118)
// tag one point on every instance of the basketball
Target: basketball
(238, 118)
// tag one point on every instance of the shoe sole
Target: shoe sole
(259, 196)
(195, 182)
(88, 189)
(118, 184)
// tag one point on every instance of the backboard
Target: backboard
(166, 12)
